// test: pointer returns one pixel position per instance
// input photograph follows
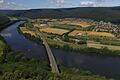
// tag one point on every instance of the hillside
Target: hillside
(111, 14)
(3, 20)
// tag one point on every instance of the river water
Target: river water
(104, 66)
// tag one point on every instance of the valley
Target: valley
(79, 43)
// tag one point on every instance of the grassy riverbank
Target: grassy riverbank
(2, 47)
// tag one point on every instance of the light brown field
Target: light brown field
(78, 23)
(13, 18)
(91, 33)
(25, 30)
(54, 31)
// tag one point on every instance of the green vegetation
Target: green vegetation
(66, 45)
(98, 46)
(73, 74)
(15, 66)
(64, 26)
(115, 43)
(3, 46)
(3, 20)
(101, 51)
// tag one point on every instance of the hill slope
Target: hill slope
(111, 14)
(3, 20)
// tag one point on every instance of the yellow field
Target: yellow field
(54, 31)
(94, 45)
(91, 33)
(13, 18)
(78, 23)
(25, 30)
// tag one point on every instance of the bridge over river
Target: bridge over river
(51, 57)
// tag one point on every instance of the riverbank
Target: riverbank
(8, 24)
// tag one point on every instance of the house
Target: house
(43, 24)
(79, 34)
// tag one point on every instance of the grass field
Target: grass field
(94, 45)
(62, 43)
(91, 33)
(63, 26)
(54, 31)
(77, 23)
(114, 42)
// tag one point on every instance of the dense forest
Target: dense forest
(107, 14)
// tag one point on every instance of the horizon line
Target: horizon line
(61, 8)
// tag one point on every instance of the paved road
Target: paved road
(52, 60)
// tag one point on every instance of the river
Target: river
(104, 66)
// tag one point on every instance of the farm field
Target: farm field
(116, 42)
(95, 45)
(63, 26)
(91, 33)
(77, 23)
(54, 31)
(25, 30)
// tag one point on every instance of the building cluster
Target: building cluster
(107, 27)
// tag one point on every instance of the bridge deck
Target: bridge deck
(52, 60)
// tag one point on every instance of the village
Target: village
(107, 27)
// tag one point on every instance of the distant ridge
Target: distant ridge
(111, 14)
